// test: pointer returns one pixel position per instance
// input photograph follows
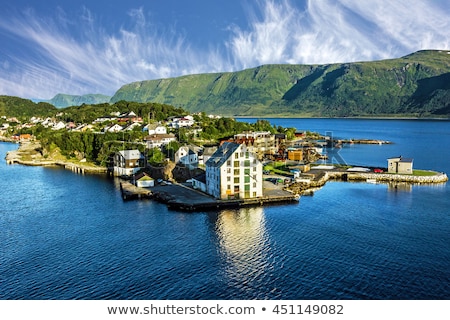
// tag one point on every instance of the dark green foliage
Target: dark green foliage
(24, 108)
(87, 113)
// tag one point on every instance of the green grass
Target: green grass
(277, 167)
(423, 173)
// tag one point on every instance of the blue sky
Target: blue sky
(80, 47)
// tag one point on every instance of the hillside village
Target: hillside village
(232, 168)
(225, 161)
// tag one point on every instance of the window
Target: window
(254, 184)
(236, 172)
(247, 187)
(247, 154)
(229, 163)
(247, 172)
(247, 163)
(254, 169)
(247, 179)
(236, 179)
(236, 155)
(254, 194)
(228, 179)
(236, 189)
(236, 164)
(228, 170)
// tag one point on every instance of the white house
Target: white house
(199, 182)
(186, 121)
(158, 140)
(113, 128)
(155, 128)
(59, 125)
(400, 165)
(232, 172)
(143, 180)
(132, 126)
(127, 162)
(187, 156)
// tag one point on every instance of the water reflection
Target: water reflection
(399, 186)
(244, 246)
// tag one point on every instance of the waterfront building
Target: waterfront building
(400, 165)
(127, 162)
(233, 172)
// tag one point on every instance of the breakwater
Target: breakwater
(321, 178)
(438, 177)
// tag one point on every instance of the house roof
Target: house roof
(222, 154)
(401, 159)
(200, 177)
(131, 154)
(143, 176)
(160, 136)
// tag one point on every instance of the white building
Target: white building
(127, 162)
(158, 140)
(187, 156)
(155, 128)
(113, 128)
(400, 165)
(184, 122)
(232, 172)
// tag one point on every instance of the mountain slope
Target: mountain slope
(66, 100)
(416, 84)
(18, 107)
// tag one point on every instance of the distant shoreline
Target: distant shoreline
(342, 118)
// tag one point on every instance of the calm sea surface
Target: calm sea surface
(68, 236)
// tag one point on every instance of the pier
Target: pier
(184, 198)
(129, 191)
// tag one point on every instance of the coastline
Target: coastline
(387, 117)
(29, 154)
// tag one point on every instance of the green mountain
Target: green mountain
(66, 100)
(18, 107)
(414, 85)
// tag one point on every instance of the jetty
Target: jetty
(184, 198)
(318, 178)
(129, 191)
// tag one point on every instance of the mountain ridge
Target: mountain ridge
(414, 85)
(62, 100)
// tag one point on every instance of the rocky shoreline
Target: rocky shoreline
(308, 187)
(30, 153)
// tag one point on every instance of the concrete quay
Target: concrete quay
(181, 197)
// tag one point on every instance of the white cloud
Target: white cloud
(330, 31)
(81, 57)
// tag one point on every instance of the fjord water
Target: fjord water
(69, 236)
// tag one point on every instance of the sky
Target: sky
(96, 46)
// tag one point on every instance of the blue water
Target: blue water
(69, 236)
